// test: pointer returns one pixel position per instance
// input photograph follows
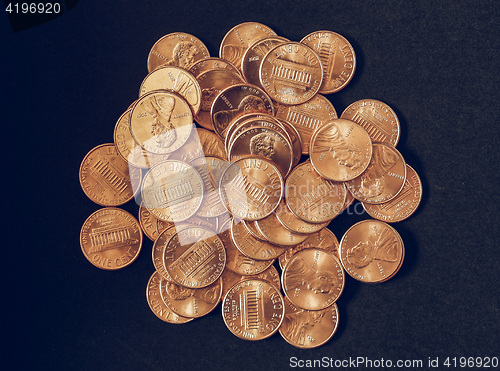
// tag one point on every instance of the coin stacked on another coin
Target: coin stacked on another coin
(238, 164)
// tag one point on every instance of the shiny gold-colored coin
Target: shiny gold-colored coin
(250, 62)
(313, 279)
(106, 178)
(211, 63)
(371, 251)
(308, 328)
(194, 257)
(384, 177)
(291, 73)
(236, 261)
(161, 121)
(337, 58)
(340, 150)
(293, 223)
(236, 101)
(377, 118)
(250, 246)
(251, 188)
(239, 38)
(128, 148)
(212, 82)
(175, 79)
(307, 117)
(172, 191)
(311, 197)
(265, 142)
(111, 238)
(201, 142)
(190, 302)
(157, 305)
(176, 49)
(401, 206)
(276, 233)
(210, 169)
(253, 309)
(323, 239)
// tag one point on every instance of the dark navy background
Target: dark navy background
(66, 82)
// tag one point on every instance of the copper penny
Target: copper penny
(251, 227)
(308, 328)
(349, 200)
(371, 251)
(106, 178)
(293, 223)
(211, 63)
(307, 117)
(337, 58)
(401, 206)
(230, 278)
(340, 150)
(212, 82)
(159, 245)
(253, 309)
(149, 223)
(176, 49)
(111, 238)
(377, 118)
(276, 233)
(250, 62)
(252, 247)
(252, 120)
(251, 188)
(384, 177)
(313, 279)
(237, 40)
(201, 142)
(270, 275)
(236, 261)
(311, 197)
(177, 80)
(128, 148)
(194, 257)
(161, 121)
(265, 142)
(172, 191)
(291, 73)
(157, 305)
(190, 302)
(210, 169)
(296, 141)
(235, 101)
(323, 239)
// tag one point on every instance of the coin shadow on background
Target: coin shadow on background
(411, 252)
(350, 291)
(411, 158)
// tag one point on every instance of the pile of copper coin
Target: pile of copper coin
(238, 164)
